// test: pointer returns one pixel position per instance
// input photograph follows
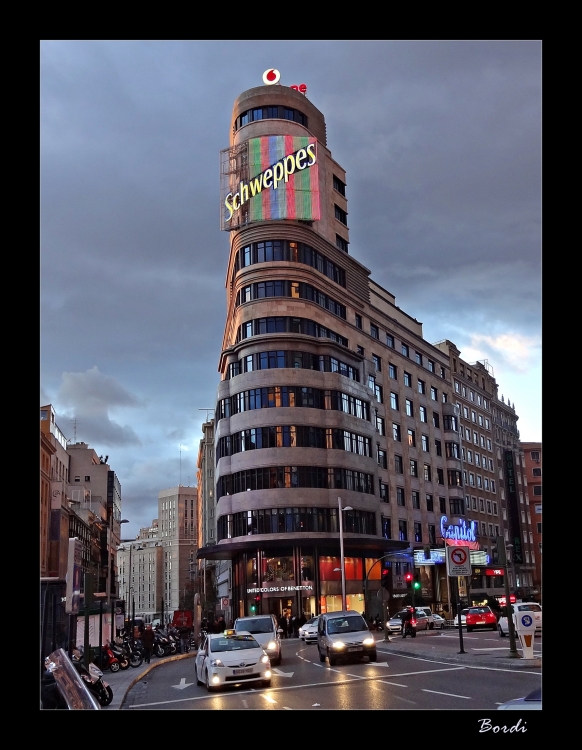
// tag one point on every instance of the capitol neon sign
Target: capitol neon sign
(458, 532)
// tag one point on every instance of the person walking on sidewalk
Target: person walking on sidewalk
(147, 639)
(184, 632)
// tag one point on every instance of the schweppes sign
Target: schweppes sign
(277, 178)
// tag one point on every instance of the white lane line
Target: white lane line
(245, 704)
(268, 698)
(397, 684)
(451, 695)
(465, 666)
(286, 708)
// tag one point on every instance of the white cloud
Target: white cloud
(520, 353)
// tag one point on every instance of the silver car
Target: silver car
(394, 624)
(308, 632)
(266, 630)
(531, 702)
(344, 634)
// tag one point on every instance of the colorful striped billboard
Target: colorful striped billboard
(276, 179)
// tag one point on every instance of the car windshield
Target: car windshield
(478, 610)
(233, 643)
(529, 608)
(255, 625)
(313, 621)
(346, 625)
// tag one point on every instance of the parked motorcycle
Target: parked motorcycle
(133, 651)
(93, 678)
(121, 655)
(108, 660)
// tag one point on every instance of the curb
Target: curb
(153, 665)
(468, 659)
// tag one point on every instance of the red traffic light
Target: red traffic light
(408, 576)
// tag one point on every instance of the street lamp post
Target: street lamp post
(342, 559)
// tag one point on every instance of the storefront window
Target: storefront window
(328, 572)
(278, 569)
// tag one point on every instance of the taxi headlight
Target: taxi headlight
(216, 663)
(264, 658)
(271, 645)
(339, 645)
(369, 641)
(268, 674)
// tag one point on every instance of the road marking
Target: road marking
(183, 684)
(269, 699)
(451, 695)
(465, 666)
(397, 684)
(283, 674)
(286, 708)
(245, 704)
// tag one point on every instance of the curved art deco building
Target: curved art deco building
(328, 390)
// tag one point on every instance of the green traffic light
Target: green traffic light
(416, 585)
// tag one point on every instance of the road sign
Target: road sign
(458, 561)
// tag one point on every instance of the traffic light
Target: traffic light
(416, 582)
(408, 577)
(386, 575)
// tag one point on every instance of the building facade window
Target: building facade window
(405, 350)
(394, 400)
(398, 465)
(340, 214)
(390, 341)
(374, 333)
(400, 497)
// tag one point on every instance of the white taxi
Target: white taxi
(231, 658)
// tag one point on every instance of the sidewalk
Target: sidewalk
(426, 645)
(121, 682)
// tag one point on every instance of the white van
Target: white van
(265, 630)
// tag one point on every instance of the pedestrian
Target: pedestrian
(184, 633)
(147, 640)
(283, 624)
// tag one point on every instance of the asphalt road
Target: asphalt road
(395, 681)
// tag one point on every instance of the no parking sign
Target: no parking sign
(458, 560)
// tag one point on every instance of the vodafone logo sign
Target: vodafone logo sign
(271, 76)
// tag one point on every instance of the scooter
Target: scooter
(93, 679)
(409, 628)
(107, 659)
(121, 655)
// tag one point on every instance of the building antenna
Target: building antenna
(74, 421)
(180, 483)
(207, 411)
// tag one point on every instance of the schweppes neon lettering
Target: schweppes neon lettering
(278, 173)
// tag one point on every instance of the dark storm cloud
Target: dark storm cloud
(90, 396)
(441, 143)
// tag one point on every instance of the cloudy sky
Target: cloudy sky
(441, 142)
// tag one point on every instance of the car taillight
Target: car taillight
(413, 622)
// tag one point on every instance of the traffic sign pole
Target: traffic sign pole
(459, 564)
